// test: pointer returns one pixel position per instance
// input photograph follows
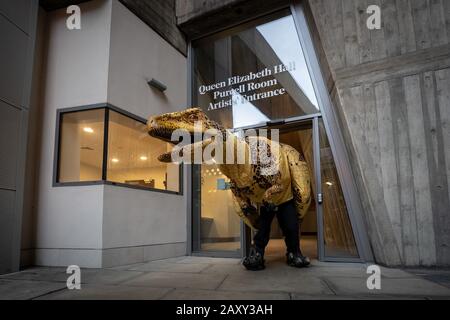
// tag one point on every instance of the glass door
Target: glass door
(259, 75)
(326, 231)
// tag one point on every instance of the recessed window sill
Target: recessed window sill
(111, 183)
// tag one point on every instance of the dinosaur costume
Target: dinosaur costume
(281, 177)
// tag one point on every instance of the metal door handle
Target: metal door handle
(320, 198)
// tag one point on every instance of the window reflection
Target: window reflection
(132, 156)
(81, 146)
(289, 51)
(338, 233)
(132, 153)
(219, 223)
(253, 75)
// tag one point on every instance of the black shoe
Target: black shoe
(297, 260)
(254, 261)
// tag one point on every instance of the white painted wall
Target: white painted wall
(108, 60)
(137, 53)
(139, 217)
(69, 219)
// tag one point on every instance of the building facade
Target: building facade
(368, 109)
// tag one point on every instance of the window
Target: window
(126, 155)
(132, 156)
(254, 73)
(81, 146)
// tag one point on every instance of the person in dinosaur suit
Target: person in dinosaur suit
(279, 185)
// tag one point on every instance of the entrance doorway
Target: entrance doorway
(326, 231)
(265, 74)
(299, 136)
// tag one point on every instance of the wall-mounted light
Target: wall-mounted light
(157, 85)
(115, 160)
(328, 183)
(88, 130)
(143, 158)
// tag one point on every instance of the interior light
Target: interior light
(143, 158)
(329, 183)
(88, 130)
(115, 160)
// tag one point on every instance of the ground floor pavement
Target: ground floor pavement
(191, 277)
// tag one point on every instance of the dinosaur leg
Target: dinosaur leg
(289, 223)
(244, 208)
(255, 260)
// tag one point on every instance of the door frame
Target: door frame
(335, 138)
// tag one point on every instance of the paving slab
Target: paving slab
(345, 265)
(296, 296)
(177, 280)
(440, 276)
(263, 282)
(52, 274)
(26, 289)
(225, 269)
(106, 276)
(164, 266)
(105, 292)
(283, 270)
(402, 287)
(208, 260)
(56, 274)
(188, 294)
(395, 273)
(126, 267)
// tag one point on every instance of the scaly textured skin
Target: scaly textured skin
(282, 177)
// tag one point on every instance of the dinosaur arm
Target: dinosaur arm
(249, 215)
(269, 193)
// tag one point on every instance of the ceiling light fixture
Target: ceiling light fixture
(115, 160)
(88, 130)
(143, 158)
(329, 183)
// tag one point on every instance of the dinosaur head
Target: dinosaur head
(162, 126)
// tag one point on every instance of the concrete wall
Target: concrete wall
(197, 17)
(160, 16)
(390, 88)
(68, 220)
(17, 34)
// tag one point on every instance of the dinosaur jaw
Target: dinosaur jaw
(159, 132)
(164, 134)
